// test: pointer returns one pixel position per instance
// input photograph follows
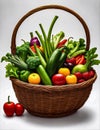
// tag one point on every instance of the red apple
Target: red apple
(58, 79)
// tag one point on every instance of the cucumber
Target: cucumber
(61, 60)
(53, 61)
(43, 75)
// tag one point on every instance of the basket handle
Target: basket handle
(13, 39)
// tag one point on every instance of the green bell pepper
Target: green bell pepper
(24, 75)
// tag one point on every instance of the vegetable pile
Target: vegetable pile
(50, 59)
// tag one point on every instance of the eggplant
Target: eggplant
(69, 65)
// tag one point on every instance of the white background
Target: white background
(88, 117)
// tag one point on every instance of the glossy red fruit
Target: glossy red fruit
(60, 44)
(91, 73)
(81, 80)
(71, 60)
(86, 75)
(78, 75)
(58, 79)
(80, 59)
(9, 108)
(19, 109)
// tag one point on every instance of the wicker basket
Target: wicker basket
(51, 101)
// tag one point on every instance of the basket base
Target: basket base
(52, 115)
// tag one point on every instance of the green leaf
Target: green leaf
(91, 57)
(94, 56)
(4, 58)
(95, 62)
(12, 71)
(92, 50)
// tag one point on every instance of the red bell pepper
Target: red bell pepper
(33, 48)
(71, 60)
(19, 109)
(9, 108)
(80, 59)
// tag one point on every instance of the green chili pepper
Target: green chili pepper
(73, 50)
(78, 53)
(24, 75)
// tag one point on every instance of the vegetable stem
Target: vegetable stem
(46, 50)
(46, 42)
(51, 27)
(43, 62)
(8, 99)
(43, 32)
(31, 34)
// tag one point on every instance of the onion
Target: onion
(34, 40)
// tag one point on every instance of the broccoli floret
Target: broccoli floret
(23, 50)
(33, 62)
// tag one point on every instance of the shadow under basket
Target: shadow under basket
(52, 101)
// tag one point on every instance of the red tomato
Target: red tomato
(78, 75)
(58, 79)
(19, 109)
(91, 73)
(81, 80)
(86, 75)
(9, 108)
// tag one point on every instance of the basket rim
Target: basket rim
(40, 87)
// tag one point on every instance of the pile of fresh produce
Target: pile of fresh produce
(50, 59)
